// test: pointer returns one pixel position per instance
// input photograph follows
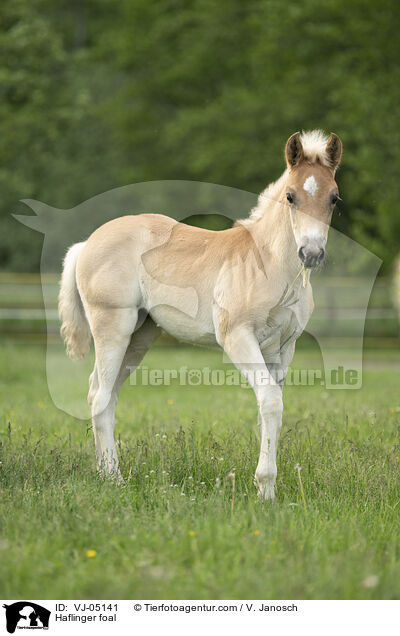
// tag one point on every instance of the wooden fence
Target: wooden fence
(23, 316)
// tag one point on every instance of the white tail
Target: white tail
(75, 329)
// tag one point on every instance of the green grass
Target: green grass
(170, 532)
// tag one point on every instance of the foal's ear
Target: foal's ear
(293, 150)
(334, 151)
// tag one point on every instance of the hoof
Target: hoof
(115, 477)
(266, 494)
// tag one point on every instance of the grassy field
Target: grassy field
(171, 532)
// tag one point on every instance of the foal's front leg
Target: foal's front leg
(270, 422)
(243, 349)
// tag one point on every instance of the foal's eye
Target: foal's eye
(334, 199)
(290, 197)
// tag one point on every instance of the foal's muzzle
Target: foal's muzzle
(311, 254)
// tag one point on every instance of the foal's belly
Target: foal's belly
(184, 327)
(184, 312)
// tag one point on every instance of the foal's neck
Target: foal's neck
(273, 231)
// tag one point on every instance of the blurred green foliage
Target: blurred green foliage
(96, 94)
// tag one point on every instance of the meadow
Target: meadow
(180, 527)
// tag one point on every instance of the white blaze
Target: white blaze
(310, 185)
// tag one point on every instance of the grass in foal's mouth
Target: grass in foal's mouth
(172, 530)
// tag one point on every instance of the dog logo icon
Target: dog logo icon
(26, 615)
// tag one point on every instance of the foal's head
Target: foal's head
(311, 191)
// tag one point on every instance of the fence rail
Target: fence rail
(22, 311)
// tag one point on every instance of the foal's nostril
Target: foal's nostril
(321, 254)
(302, 255)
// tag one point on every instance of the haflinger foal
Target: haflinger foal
(246, 289)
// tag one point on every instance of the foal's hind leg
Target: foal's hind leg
(140, 343)
(93, 388)
(103, 424)
(112, 330)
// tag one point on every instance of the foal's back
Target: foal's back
(125, 254)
